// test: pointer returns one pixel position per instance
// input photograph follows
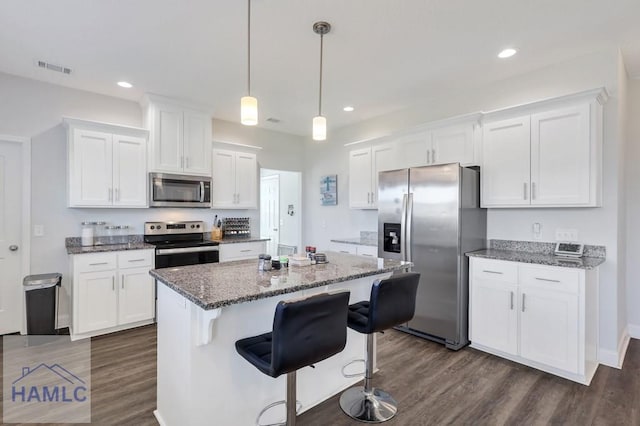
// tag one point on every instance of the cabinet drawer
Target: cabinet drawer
(368, 251)
(95, 262)
(560, 279)
(238, 251)
(495, 270)
(135, 258)
(343, 248)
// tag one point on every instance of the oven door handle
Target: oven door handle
(163, 252)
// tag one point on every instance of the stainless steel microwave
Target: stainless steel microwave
(168, 190)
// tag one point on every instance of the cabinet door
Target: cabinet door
(383, 158)
(493, 315)
(90, 174)
(360, 178)
(167, 140)
(560, 157)
(452, 144)
(549, 327)
(223, 185)
(97, 301)
(197, 143)
(129, 171)
(506, 157)
(343, 248)
(136, 296)
(246, 181)
(413, 150)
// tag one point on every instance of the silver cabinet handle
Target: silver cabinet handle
(13, 247)
(181, 162)
(113, 283)
(187, 162)
(547, 280)
(428, 156)
(122, 282)
(367, 255)
(136, 260)
(523, 295)
(110, 194)
(373, 198)
(344, 251)
(99, 263)
(368, 198)
(512, 301)
(245, 251)
(492, 272)
(433, 155)
(533, 190)
(117, 194)
(525, 190)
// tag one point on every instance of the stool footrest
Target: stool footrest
(272, 405)
(349, 376)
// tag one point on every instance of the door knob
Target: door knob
(13, 247)
(275, 229)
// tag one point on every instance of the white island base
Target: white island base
(203, 381)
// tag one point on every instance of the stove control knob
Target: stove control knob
(193, 226)
(197, 226)
(153, 227)
(158, 227)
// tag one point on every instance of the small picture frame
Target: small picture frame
(329, 190)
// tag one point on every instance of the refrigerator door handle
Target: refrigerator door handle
(407, 238)
(403, 227)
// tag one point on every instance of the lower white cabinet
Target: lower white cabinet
(541, 316)
(242, 251)
(357, 249)
(111, 291)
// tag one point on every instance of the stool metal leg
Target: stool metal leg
(368, 404)
(291, 399)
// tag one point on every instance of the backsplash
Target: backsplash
(544, 248)
(102, 240)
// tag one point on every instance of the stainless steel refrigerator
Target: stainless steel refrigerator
(431, 216)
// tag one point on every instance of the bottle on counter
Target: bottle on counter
(261, 262)
(88, 234)
(267, 263)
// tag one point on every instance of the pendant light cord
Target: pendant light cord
(320, 94)
(249, 47)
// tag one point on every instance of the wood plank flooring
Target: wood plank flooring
(433, 386)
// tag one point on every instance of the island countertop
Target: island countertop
(214, 285)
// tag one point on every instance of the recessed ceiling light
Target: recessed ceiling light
(125, 84)
(348, 108)
(507, 53)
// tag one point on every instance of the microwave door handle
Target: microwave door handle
(201, 192)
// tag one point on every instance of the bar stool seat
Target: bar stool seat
(305, 331)
(392, 302)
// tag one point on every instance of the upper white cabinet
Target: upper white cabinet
(364, 166)
(453, 144)
(235, 180)
(180, 137)
(106, 165)
(549, 157)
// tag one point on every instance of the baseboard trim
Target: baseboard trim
(615, 359)
(634, 331)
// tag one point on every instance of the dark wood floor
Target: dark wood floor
(433, 386)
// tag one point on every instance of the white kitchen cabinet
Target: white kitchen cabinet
(110, 291)
(180, 137)
(235, 180)
(413, 149)
(549, 157)
(453, 144)
(541, 316)
(106, 165)
(242, 251)
(357, 249)
(367, 251)
(364, 166)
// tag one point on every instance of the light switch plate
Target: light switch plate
(563, 234)
(38, 230)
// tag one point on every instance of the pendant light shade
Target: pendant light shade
(319, 121)
(319, 128)
(249, 104)
(249, 111)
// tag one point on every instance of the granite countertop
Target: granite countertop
(538, 258)
(214, 285)
(234, 240)
(136, 242)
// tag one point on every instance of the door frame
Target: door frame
(26, 211)
(275, 177)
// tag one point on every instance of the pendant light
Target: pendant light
(319, 121)
(249, 104)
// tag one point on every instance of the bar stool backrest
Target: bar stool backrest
(393, 301)
(308, 331)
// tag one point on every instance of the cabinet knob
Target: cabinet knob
(13, 247)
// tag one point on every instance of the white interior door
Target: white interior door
(10, 236)
(270, 212)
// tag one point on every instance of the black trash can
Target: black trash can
(40, 296)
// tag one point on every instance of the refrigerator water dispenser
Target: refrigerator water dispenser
(392, 242)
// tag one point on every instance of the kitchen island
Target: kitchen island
(204, 309)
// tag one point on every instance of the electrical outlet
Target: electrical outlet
(38, 230)
(536, 228)
(566, 234)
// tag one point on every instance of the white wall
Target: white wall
(34, 109)
(289, 190)
(633, 209)
(595, 226)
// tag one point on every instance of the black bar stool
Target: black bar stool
(392, 302)
(305, 331)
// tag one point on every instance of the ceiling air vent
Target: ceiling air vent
(53, 67)
(273, 120)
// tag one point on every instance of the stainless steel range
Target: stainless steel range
(180, 243)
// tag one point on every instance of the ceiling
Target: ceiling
(381, 55)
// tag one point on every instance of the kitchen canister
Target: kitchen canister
(87, 234)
